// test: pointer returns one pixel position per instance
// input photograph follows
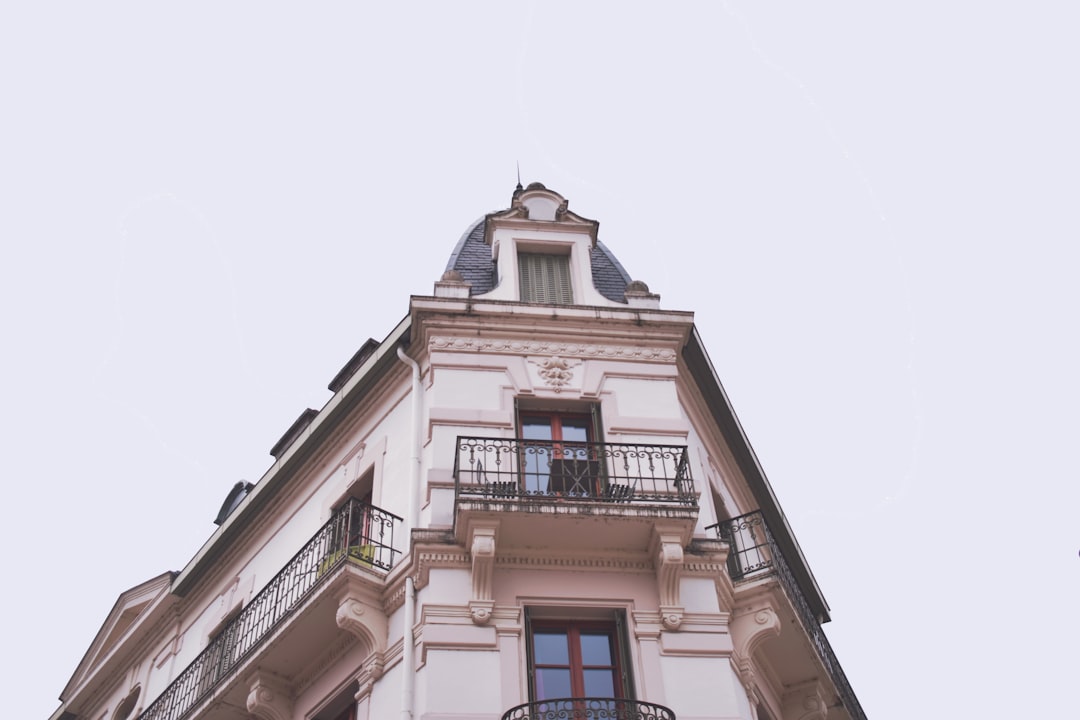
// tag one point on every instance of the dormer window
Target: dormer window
(538, 252)
(545, 278)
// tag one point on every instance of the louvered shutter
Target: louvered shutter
(545, 278)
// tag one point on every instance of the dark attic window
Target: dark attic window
(545, 278)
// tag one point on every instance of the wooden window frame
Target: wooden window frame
(562, 464)
(619, 669)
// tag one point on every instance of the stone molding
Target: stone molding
(548, 348)
(616, 564)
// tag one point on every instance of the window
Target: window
(342, 707)
(355, 534)
(576, 659)
(348, 713)
(127, 706)
(557, 454)
(220, 653)
(545, 278)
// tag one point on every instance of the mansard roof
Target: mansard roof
(472, 255)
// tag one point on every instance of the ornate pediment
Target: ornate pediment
(128, 613)
(537, 207)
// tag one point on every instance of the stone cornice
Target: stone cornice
(615, 564)
(516, 346)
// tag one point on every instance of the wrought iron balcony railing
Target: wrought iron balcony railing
(754, 554)
(507, 468)
(357, 533)
(589, 709)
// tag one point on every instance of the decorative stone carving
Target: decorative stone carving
(482, 551)
(805, 701)
(555, 371)
(545, 347)
(269, 698)
(669, 568)
(637, 295)
(751, 625)
(452, 284)
(363, 616)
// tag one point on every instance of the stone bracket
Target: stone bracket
(669, 570)
(362, 615)
(482, 551)
(269, 698)
(805, 701)
(750, 626)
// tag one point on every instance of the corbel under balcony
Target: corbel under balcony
(360, 612)
(482, 538)
(667, 548)
(270, 698)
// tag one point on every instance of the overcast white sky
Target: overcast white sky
(206, 208)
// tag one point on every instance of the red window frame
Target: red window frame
(575, 663)
(555, 422)
(575, 458)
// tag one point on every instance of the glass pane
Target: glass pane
(599, 683)
(550, 648)
(596, 649)
(575, 429)
(536, 460)
(537, 469)
(534, 428)
(552, 683)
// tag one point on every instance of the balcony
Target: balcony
(359, 534)
(755, 555)
(588, 709)
(572, 484)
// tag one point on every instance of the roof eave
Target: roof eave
(712, 390)
(292, 459)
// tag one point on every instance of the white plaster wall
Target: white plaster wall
(385, 701)
(159, 678)
(470, 389)
(646, 398)
(684, 677)
(460, 683)
(698, 594)
(448, 586)
(532, 586)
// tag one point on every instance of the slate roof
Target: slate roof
(472, 258)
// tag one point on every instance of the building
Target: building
(532, 500)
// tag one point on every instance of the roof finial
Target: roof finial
(518, 188)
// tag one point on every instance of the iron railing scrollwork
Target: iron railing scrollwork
(589, 708)
(753, 554)
(357, 533)
(518, 469)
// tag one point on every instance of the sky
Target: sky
(206, 208)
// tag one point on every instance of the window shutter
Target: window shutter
(622, 640)
(529, 655)
(545, 278)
